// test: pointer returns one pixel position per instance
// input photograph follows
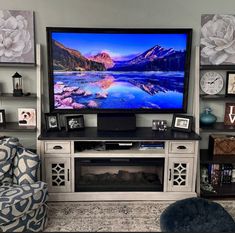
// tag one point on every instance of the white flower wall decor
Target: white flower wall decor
(217, 39)
(17, 44)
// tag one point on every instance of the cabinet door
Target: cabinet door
(180, 174)
(58, 174)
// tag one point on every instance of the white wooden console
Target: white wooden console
(180, 154)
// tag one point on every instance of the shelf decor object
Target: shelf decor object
(27, 116)
(74, 122)
(230, 84)
(211, 83)
(52, 122)
(221, 144)
(17, 85)
(18, 47)
(182, 123)
(2, 117)
(207, 118)
(229, 116)
(217, 39)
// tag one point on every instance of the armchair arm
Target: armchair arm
(25, 166)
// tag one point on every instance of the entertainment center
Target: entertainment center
(77, 165)
(117, 160)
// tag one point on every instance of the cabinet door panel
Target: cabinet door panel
(180, 174)
(58, 174)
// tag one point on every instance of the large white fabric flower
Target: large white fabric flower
(217, 40)
(14, 37)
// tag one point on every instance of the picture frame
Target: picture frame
(27, 116)
(74, 122)
(2, 117)
(229, 115)
(52, 122)
(182, 123)
(230, 84)
(21, 24)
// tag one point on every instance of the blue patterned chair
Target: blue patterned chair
(22, 198)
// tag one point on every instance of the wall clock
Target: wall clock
(211, 82)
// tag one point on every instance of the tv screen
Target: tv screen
(118, 70)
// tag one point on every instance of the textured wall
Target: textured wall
(106, 13)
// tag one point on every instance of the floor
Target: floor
(134, 216)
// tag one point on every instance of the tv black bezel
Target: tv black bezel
(50, 30)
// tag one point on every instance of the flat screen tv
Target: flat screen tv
(103, 70)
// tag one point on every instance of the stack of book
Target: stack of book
(151, 145)
(219, 174)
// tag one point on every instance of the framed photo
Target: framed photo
(230, 84)
(182, 123)
(52, 122)
(27, 116)
(229, 115)
(19, 44)
(2, 117)
(74, 122)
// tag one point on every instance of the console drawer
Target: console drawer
(182, 147)
(57, 147)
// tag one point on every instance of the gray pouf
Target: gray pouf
(196, 215)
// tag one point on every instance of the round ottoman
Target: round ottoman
(196, 215)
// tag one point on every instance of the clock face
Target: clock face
(211, 83)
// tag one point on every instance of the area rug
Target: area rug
(131, 216)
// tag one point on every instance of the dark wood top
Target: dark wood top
(14, 127)
(9, 96)
(141, 133)
(217, 127)
(217, 97)
(205, 158)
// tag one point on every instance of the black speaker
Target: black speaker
(116, 122)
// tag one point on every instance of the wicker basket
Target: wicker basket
(220, 144)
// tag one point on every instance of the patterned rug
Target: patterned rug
(132, 216)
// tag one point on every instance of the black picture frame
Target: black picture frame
(2, 117)
(52, 122)
(74, 122)
(230, 84)
(182, 123)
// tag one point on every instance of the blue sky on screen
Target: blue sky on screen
(119, 45)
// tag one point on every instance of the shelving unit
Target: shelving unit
(221, 190)
(9, 96)
(218, 97)
(11, 128)
(218, 127)
(14, 127)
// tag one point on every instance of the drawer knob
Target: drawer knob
(181, 147)
(57, 147)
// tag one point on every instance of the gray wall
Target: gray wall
(106, 13)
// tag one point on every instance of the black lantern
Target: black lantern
(17, 85)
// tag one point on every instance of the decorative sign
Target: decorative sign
(217, 39)
(229, 116)
(17, 45)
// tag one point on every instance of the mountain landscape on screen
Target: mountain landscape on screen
(156, 58)
(118, 72)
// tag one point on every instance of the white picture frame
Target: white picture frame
(27, 116)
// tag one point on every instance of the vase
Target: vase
(207, 118)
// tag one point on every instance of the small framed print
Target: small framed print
(74, 122)
(230, 84)
(27, 116)
(52, 122)
(182, 123)
(229, 115)
(2, 117)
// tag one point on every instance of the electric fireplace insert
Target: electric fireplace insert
(119, 174)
